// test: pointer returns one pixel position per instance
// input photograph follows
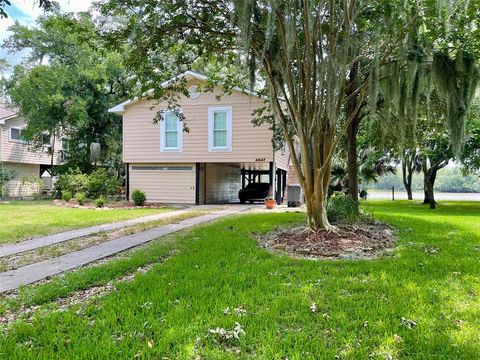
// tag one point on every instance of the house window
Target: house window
(171, 132)
(16, 134)
(220, 129)
(46, 139)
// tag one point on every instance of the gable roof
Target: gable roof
(6, 113)
(188, 75)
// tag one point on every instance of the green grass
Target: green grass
(168, 311)
(21, 220)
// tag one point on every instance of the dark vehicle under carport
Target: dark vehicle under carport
(254, 192)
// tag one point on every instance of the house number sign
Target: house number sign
(260, 159)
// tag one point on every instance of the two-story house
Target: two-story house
(16, 155)
(220, 154)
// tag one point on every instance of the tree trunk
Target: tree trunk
(407, 174)
(429, 182)
(429, 176)
(352, 131)
(352, 158)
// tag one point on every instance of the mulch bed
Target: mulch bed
(360, 241)
(109, 206)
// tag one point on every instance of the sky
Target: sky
(26, 12)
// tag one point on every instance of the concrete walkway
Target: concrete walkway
(48, 240)
(29, 274)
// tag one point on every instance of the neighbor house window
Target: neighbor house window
(46, 139)
(171, 132)
(220, 129)
(16, 134)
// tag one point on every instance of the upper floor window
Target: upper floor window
(16, 134)
(220, 129)
(46, 139)
(170, 132)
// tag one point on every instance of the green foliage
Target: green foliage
(457, 81)
(102, 182)
(448, 180)
(69, 95)
(100, 202)
(34, 183)
(5, 177)
(342, 209)
(73, 181)
(66, 195)
(139, 198)
(81, 197)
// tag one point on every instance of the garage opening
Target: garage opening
(220, 183)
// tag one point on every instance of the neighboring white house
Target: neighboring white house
(221, 153)
(17, 155)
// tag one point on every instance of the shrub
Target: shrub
(73, 181)
(138, 197)
(102, 182)
(81, 198)
(342, 208)
(33, 183)
(100, 202)
(66, 195)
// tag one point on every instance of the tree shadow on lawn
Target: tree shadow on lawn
(359, 304)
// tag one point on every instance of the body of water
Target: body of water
(401, 195)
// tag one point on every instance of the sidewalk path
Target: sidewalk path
(29, 274)
(48, 240)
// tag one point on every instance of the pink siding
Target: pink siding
(282, 159)
(141, 138)
(14, 151)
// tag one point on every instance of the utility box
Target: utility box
(294, 195)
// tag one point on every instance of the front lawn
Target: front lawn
(25, 219)
(420, 302)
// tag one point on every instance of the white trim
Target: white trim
(2, 120)
(20, 132)
(211, 111)
(120, 108)
(163, 132)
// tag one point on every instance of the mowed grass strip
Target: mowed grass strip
(18, 260)
(22, 220)
(421, 302)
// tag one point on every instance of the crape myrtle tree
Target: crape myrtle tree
(302, 51)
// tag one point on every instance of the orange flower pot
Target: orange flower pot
(270, 204)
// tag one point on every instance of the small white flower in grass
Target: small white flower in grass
(409, 324)
(238, 331)
(313, 308)
(398, 339)
(225, 335)
(240, 311)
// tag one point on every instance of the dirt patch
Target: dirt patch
(362, 241)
